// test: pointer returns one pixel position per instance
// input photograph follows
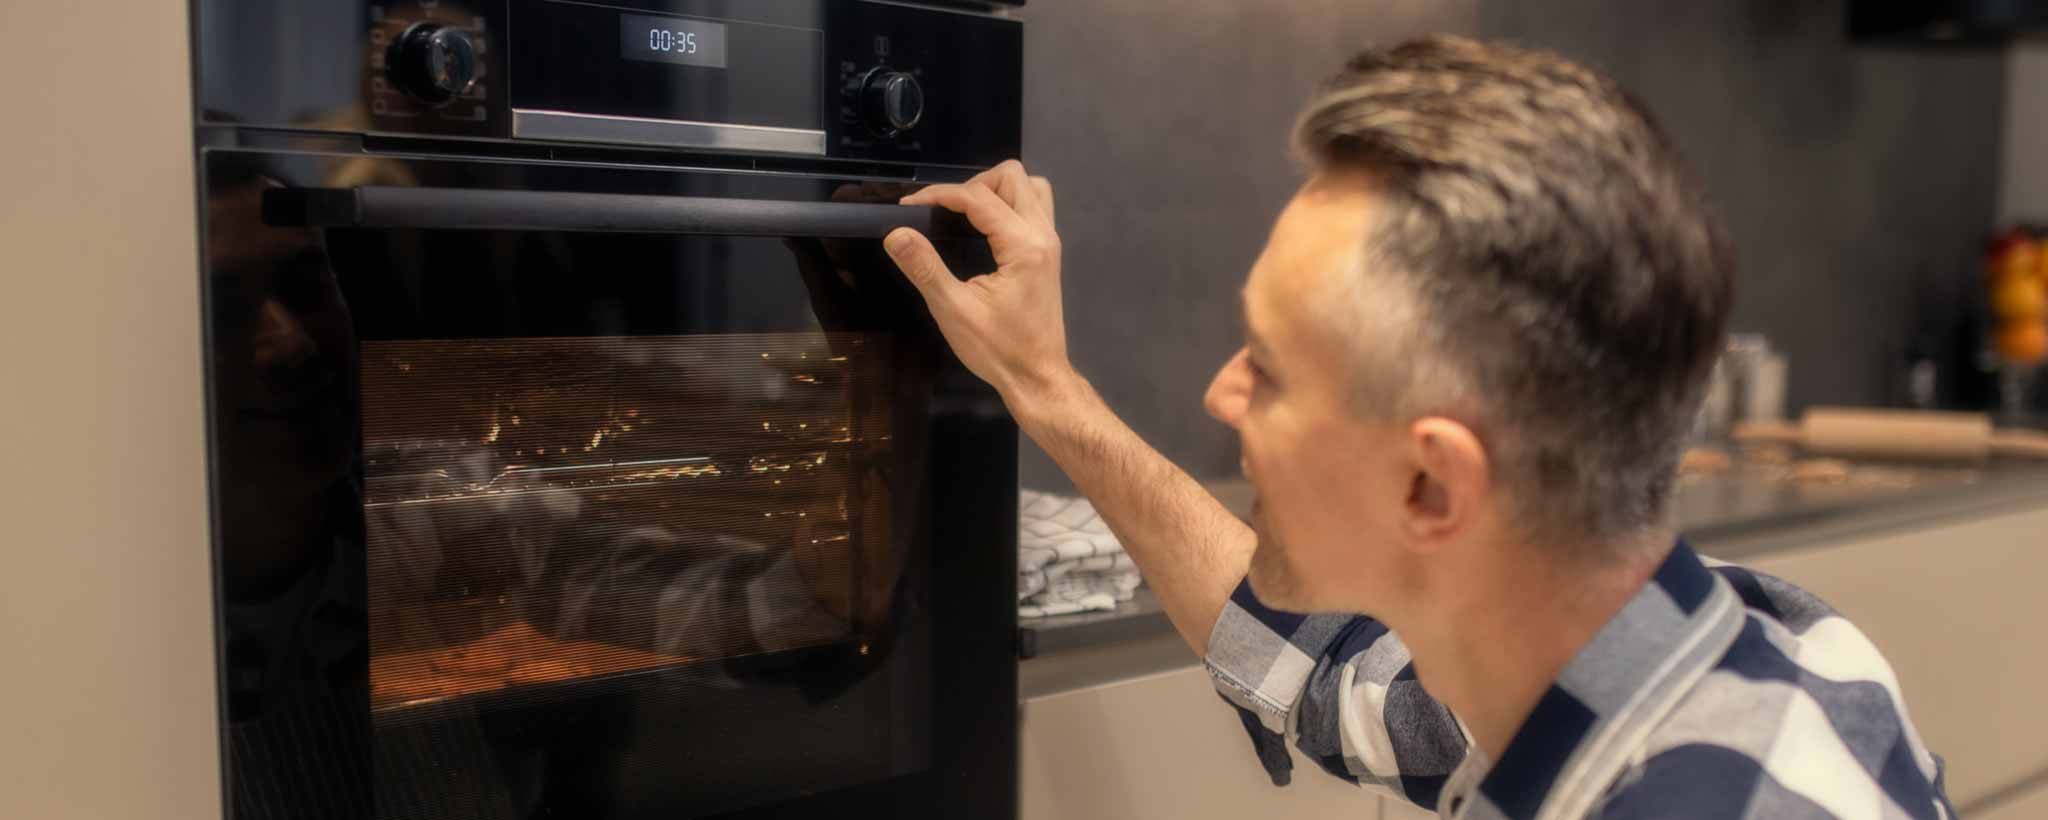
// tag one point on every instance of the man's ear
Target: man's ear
(1451, 480)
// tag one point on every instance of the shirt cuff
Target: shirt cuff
(1261, 658)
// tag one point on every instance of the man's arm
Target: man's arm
(1006, 326)
(1190, 549)
(1343, 689)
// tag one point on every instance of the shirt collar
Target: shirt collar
(1620, 685)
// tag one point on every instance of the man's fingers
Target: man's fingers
(987, 212)
(922, 266)
(1013, 185)
(1020, 189)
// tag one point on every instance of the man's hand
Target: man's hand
(1006, 326)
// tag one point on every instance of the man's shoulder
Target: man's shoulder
(1801, 717)
(1704, 780)
(1773, 597)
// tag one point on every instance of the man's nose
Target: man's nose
(281, 340)
(1230, 392)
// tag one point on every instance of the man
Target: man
(1476, 339)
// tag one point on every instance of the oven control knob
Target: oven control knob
(433, 62)
(892, 101)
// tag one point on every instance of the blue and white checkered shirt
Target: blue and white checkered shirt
(1713, 693)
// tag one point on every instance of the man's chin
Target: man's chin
(1273, 584)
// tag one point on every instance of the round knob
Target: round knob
(894, 101)
(433, 62)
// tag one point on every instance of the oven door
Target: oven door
(573, 491)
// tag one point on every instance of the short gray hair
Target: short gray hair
(1569, 287)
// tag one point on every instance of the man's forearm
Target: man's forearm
(1191, 550)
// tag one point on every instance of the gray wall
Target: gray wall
(2023, 186)
(1856, 181)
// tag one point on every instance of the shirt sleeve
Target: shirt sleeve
(1342, 688)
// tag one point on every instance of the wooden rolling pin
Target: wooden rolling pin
(1897, 434)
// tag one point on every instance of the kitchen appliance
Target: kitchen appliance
(575, 449)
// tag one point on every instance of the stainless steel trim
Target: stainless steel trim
(263, 140)
(563, 125)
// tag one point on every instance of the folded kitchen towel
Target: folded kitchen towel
(1067, 560)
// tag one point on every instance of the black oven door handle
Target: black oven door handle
(497, 210)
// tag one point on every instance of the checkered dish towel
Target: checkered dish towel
(1067, 560)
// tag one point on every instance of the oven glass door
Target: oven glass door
(566, 491)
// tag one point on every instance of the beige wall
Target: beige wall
(106, 690)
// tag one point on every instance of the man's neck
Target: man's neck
(1489, 650)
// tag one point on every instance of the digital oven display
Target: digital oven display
(672, 40)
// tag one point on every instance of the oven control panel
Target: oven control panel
(848, 79)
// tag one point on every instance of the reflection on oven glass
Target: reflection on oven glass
(548, 510)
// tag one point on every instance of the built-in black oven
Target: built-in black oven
(575, 449)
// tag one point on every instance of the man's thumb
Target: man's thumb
(920, 263)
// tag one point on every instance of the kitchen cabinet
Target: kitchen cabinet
(105, 620)
(1160, 746)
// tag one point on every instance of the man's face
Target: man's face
(1326, 480)
(283, 369)
(284, 351)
